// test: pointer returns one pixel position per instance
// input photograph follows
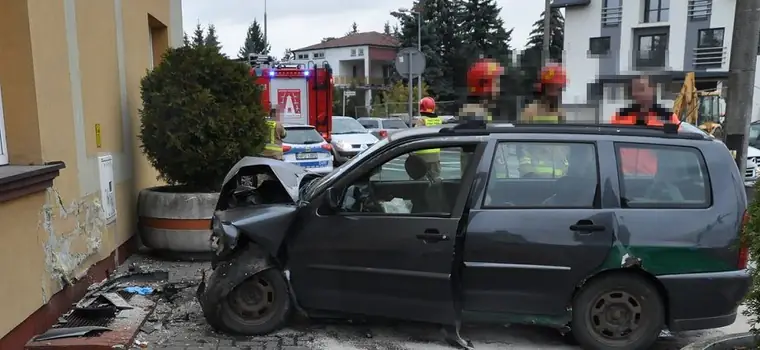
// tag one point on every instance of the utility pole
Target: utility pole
(547, 31)
(266, 38)
(741, 78)
(419, 47)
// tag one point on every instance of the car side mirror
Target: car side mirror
(332, 196)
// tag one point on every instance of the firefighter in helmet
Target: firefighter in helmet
(545, 108)
(276, 132)
(432, 157)
(545, 160)
(483, 87)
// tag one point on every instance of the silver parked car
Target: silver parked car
(349, 138)
(382, 127)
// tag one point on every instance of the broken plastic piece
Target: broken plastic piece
(60, 333)
(139, 290)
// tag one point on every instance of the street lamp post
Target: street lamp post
(419, 47)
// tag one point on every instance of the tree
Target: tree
(199, 37)
(288, 55)
(255, 42)
(437, 15)
(212, 40)
(197, 123)
(396, 100)
(557, 35)
(486, 35)
(185, 39)
(354, 29)
(387, 29)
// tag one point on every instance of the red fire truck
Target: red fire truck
(303, 91)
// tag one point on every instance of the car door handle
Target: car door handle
(587, 226)
(432, 235)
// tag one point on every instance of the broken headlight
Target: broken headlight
(223, 237)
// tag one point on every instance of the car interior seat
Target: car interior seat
(434, 196)
(578, 187)
(664, 187)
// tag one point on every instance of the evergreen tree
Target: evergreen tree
(212, 40)
(437, 19)
(485, 32)
(387, 29)
(254, 42)
(185, 39)
(199, 37)
(557, 34)
(354, 29)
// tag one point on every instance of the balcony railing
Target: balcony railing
(700, 9)
(361, 81)
(709, 57)
(651, 59)
(612, 16)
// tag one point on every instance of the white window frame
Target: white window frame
(150, 48)
(3, 144)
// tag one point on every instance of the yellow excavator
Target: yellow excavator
(702, 108)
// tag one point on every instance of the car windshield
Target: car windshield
(318, 184)
(346, 126)
(302, 136)
(394, 124)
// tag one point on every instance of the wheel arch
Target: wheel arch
(634, 271)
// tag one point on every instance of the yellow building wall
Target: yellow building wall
(72, 62)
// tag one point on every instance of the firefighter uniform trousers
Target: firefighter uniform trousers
(432, 156)
(272, 149)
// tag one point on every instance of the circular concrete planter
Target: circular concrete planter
(726, 342)
(176, 223)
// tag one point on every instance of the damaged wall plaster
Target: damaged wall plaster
(62, 260)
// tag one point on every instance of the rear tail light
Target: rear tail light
(743, 249)
(327, 146)
(286, 148)
(383, 133)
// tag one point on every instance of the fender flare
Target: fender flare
(230, 273)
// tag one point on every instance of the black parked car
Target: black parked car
(634, 229)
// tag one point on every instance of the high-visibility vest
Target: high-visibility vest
(543, 167)
(430, 121)
(546, 119)
(272, 144)
(641, 161)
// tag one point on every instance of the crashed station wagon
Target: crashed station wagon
(638, 232)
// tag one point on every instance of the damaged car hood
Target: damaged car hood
(289, 175)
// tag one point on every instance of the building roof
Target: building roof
(358, 39)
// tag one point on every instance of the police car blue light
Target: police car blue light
(305, 147)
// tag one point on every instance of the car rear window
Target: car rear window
(655, 176)
(302, 136)
(394, 124)
(368, 123)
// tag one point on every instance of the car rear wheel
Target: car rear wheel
(257, 306)
(618, 311)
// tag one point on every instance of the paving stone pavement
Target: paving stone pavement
(179, 324)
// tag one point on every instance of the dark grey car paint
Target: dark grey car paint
(514, 261)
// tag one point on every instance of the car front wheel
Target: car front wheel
(618, 311)
(257, 306)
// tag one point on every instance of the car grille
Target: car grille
(750, 173)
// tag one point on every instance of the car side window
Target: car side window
(543, 175)
(369, 124)
(424, 182)
(656, 176)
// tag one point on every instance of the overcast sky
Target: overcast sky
(298, 23)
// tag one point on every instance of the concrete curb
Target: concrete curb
(725, 342)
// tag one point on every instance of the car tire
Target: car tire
(267, 291)
(622, 298)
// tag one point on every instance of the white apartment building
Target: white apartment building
(607, 41)
(362, 60)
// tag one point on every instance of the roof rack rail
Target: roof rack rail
(481, 127)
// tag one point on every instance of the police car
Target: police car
(305, 147)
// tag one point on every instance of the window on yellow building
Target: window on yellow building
(3, 145)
